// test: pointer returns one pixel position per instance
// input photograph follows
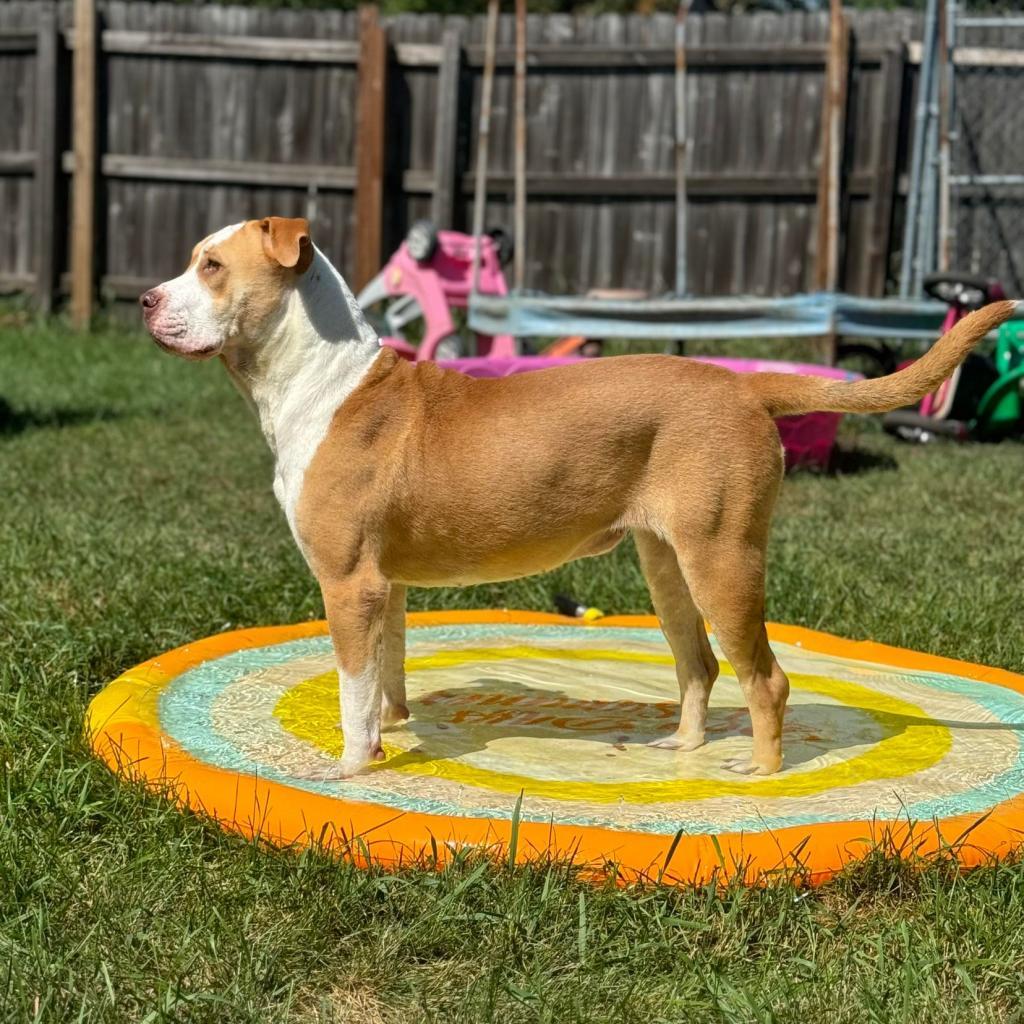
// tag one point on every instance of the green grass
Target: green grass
(136, 514)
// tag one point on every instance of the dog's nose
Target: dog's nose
(150, 299)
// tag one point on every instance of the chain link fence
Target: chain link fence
(986, 183)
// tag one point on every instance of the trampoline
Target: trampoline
(680, 316)
(532, 731)
(812, 315)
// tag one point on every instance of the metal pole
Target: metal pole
(946, 82)
(928, 239)
(483, 138)
(924, 256)
(681, 219)
(917, 155)
(519, 276)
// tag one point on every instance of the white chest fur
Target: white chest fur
(298, 377)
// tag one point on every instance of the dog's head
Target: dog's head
(233, 287)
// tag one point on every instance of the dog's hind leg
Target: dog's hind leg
(726, 578)
(393, 706)
(683, 626)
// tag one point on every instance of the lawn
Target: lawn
(137, 514)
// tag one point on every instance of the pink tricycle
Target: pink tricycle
(429, 276)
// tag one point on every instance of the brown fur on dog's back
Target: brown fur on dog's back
(786, 394)
(471, 480)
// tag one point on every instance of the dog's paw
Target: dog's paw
(322, 773)
(353, 764)
(744, 766)
(338, 771)
(392, 714)
(677, 742)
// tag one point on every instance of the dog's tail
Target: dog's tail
(786, 394)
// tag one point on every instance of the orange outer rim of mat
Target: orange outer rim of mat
(286, 816)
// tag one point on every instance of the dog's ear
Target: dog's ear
(286, 240)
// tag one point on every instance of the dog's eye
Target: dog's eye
(210, 265)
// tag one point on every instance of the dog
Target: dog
(393, 474)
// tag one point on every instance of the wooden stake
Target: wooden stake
(369, 198)
(483, 137)
(833, 130)
(83, 217)
(446, 139)
(833, 134)
(681, 199)
(47, 157)
(519, 275)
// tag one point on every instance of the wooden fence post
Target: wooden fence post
(884, 179)
(446, 131)
(369, 198)
(47, 156)
(83, 218)
(830, 171)
(826, 267)
(681, 142)
(519, 133)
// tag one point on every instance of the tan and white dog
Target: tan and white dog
(394, 475)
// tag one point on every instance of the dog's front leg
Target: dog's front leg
(356, 608)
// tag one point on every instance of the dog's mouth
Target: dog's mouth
(198, 353)
(176, 341)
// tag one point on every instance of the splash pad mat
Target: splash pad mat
(533, 728)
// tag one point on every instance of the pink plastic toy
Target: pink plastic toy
(431, 274)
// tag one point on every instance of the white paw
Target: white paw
(323, 773)
(677, 742)
(337, 771)
(744, 766)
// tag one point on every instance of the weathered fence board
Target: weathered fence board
(47, 165)
(18, 146)
(86, 132)
(446, 129)
(208, 114)
(371, 143)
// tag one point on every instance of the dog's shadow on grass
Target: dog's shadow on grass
(19, 421)
(853, 461)
(466, 720)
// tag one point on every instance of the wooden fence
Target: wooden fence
(186, 118)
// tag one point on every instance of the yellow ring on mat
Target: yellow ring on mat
(309, 711)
